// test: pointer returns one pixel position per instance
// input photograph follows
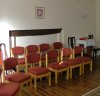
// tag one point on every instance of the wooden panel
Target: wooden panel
(33, 32)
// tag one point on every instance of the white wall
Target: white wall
(98, 23)
(76, 17)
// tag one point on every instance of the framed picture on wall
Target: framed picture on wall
(39, 12)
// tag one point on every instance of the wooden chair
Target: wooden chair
(78, 51)
(32, 49)
(33, 67)
(53, 64)
(94, 49)
(57, 46)
(44, 47)
(16, 77)
(7, 89)
(19, 53)
(66, 56)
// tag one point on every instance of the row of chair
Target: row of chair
(20, 52)
(56, 61)
(53, 64)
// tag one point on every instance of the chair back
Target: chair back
(32, 60)
(10, 63)
(66, 53)
(32, 49)
(44, 47)
(71, 42)
(17, 51)
(57, 45)
(78, 50)
(52, 56)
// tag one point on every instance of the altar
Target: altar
(86, 42)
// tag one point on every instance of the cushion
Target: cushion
(32, 48)
(10, 63)
(38, 70)
(9, 89)
(74, 61)
(58, 66)
(17, 77)
(85, 59)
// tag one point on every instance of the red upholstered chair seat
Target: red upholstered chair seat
(9, 89)
(74, 61)
(85, 59)
(21, 60)
(17, 77)
(58, 66)
(38, 70)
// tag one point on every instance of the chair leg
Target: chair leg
(70, 72)
(31, 83)
(49, 79)
(83, 69)
(91, 66)
(35, 83)
(56, 77)
(20, 93)
(80, 69)
(67, 74)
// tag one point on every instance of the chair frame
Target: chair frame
(19, 93)
(84, 63)
(37, 76)
(72, 67)
(57, 71)
(44, 51)
(12, 55)
(21, 84)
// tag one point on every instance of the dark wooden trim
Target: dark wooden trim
(34, 32)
